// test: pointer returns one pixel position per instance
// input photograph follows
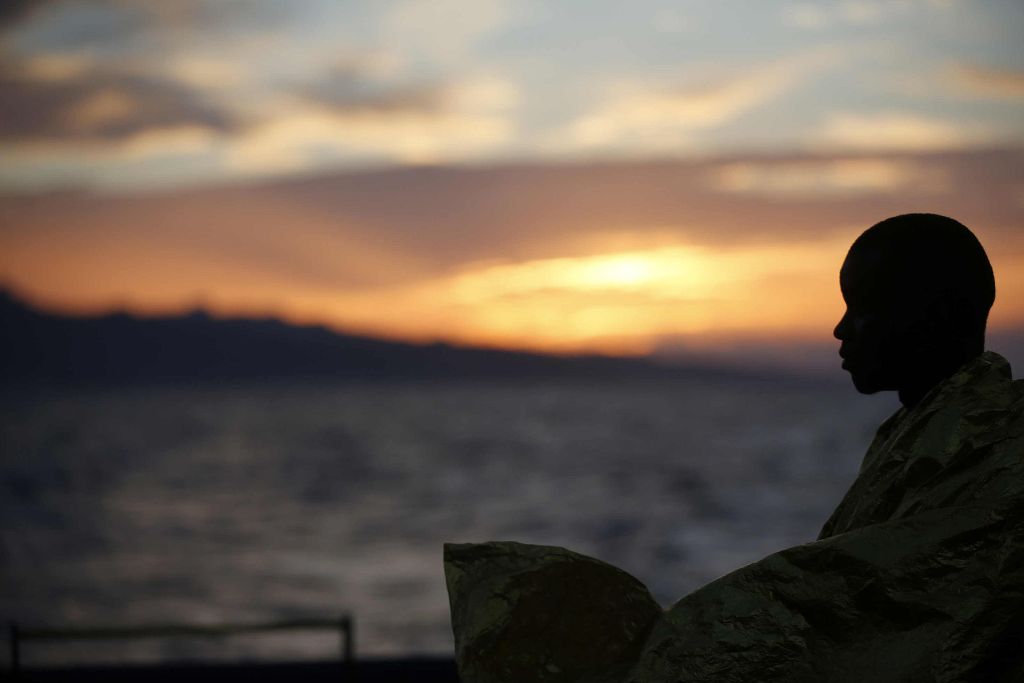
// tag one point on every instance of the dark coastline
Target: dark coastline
(39, 348)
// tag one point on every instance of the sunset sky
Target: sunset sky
(562, 176)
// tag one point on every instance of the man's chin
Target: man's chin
(865, 385)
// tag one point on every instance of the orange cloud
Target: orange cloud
(679, 289)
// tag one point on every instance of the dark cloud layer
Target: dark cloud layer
(443, 217)
(351, 91)
(529, 211)
(991, 81)
(143, 17)
(14, 11)
(100, 106)
(353, 86)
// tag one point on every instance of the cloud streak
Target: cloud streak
(988, 81)
(100, 106)
(663, 117)
(816, 179)
(818, 16)
(899, 131)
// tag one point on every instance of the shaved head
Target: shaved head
(928, 256)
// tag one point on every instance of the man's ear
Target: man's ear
(956, 313)
(922, 333)
(946, 317)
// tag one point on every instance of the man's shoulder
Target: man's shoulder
(963, 442)
(984, 404)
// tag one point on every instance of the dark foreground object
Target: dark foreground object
(917, 576)
(418, 670)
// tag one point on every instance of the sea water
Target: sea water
(255, 502)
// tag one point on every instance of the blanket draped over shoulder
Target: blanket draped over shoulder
(917, 576)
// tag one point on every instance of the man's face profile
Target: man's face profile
(870, 329)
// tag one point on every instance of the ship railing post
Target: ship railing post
(346, 629)
(15, 649)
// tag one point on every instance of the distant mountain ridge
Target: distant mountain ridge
(119, 347)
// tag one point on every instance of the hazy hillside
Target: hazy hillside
(39, 346)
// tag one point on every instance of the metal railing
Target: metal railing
(344, 625)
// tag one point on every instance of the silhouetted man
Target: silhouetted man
(917, 576)
(918, 289)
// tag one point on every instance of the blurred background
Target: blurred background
(262, 262)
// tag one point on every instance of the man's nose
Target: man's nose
(840, 331)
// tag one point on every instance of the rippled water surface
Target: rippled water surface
(247, 503)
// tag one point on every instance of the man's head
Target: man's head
(918, 288)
